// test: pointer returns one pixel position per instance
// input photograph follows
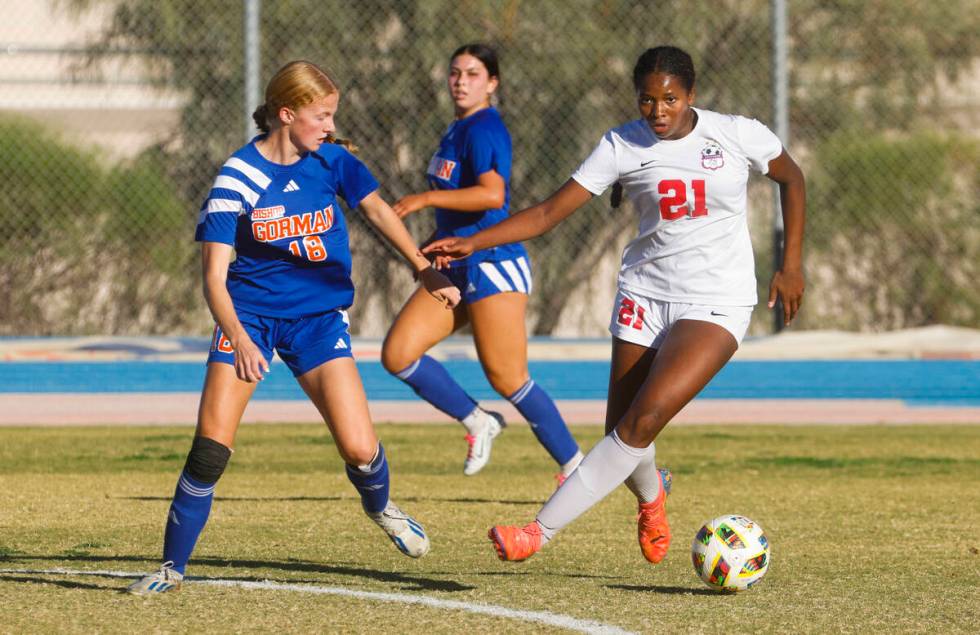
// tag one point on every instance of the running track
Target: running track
(156, 380)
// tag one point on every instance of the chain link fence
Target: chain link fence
(115, 116)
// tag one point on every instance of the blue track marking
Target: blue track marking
(916, 382)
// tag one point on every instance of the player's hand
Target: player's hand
(250, 363)
(787, 285)
(440, 287)
(408, 204)
(416, 275)
(446, 250)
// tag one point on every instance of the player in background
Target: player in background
(686, 286)
(275, 202)
(470, 179)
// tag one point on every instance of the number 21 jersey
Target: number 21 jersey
(693, 244)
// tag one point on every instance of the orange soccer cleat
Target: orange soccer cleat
(515, 543)
(652, 528)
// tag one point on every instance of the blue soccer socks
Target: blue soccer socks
(545, 420)
(188, 514)
(192, 504)
(430, 381)
(192, 500)
(372, 482)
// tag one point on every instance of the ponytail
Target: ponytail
(261, 118)
(347, 143)
(617, 195)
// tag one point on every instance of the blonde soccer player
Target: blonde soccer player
(275, 205)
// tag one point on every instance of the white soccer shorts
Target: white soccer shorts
(647, 321)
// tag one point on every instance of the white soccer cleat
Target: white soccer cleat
(481, 443)
(403, 530)
(166, 579)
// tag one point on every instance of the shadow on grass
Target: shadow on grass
(290, 499)
(248, 499)
(666, 590)
(474, 501)
(407, 581)
(67, 584)
(538, 573)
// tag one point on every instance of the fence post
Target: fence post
(251, 69)
(780, 109)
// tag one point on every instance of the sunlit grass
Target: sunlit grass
(872, 528)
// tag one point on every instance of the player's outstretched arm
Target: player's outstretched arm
(393, 229)
(525, 224)
(250, 364)
(490, 192)
(787, 283)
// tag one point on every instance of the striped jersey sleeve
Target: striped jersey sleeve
(233, 194)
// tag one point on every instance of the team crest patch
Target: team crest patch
(711, 156)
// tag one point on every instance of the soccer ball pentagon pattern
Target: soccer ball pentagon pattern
(730, 553)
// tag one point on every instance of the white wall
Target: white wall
(41, 77)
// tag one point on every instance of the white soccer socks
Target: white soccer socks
(569, 466)
(606, 465)
(645, 481)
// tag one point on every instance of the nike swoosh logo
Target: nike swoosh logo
(646, 163)
(719, 314)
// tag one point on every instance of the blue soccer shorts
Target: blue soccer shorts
(490, 277)
(302, 343)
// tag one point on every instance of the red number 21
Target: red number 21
(630, 314)
(673, 205)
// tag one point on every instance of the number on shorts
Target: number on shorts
(630, 314)
(219, 342)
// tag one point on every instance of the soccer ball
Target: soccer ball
(730, 553)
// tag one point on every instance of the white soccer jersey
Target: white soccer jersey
(693, 244)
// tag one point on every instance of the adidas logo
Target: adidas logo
(340, 344)
(470, 288)
(291, 186)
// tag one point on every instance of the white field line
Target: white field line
(493, 610)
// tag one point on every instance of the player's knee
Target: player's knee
(359, 454)
(207, 460)
(394, 357)
(506, 383)
(640, 429)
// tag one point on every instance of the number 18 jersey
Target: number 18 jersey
(292, 248)
(693, 244)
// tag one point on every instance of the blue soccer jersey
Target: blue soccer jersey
(287, 228)
(471, 147)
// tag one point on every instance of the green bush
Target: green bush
(892, 235)
(90, 249)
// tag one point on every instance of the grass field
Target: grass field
(872, 529)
